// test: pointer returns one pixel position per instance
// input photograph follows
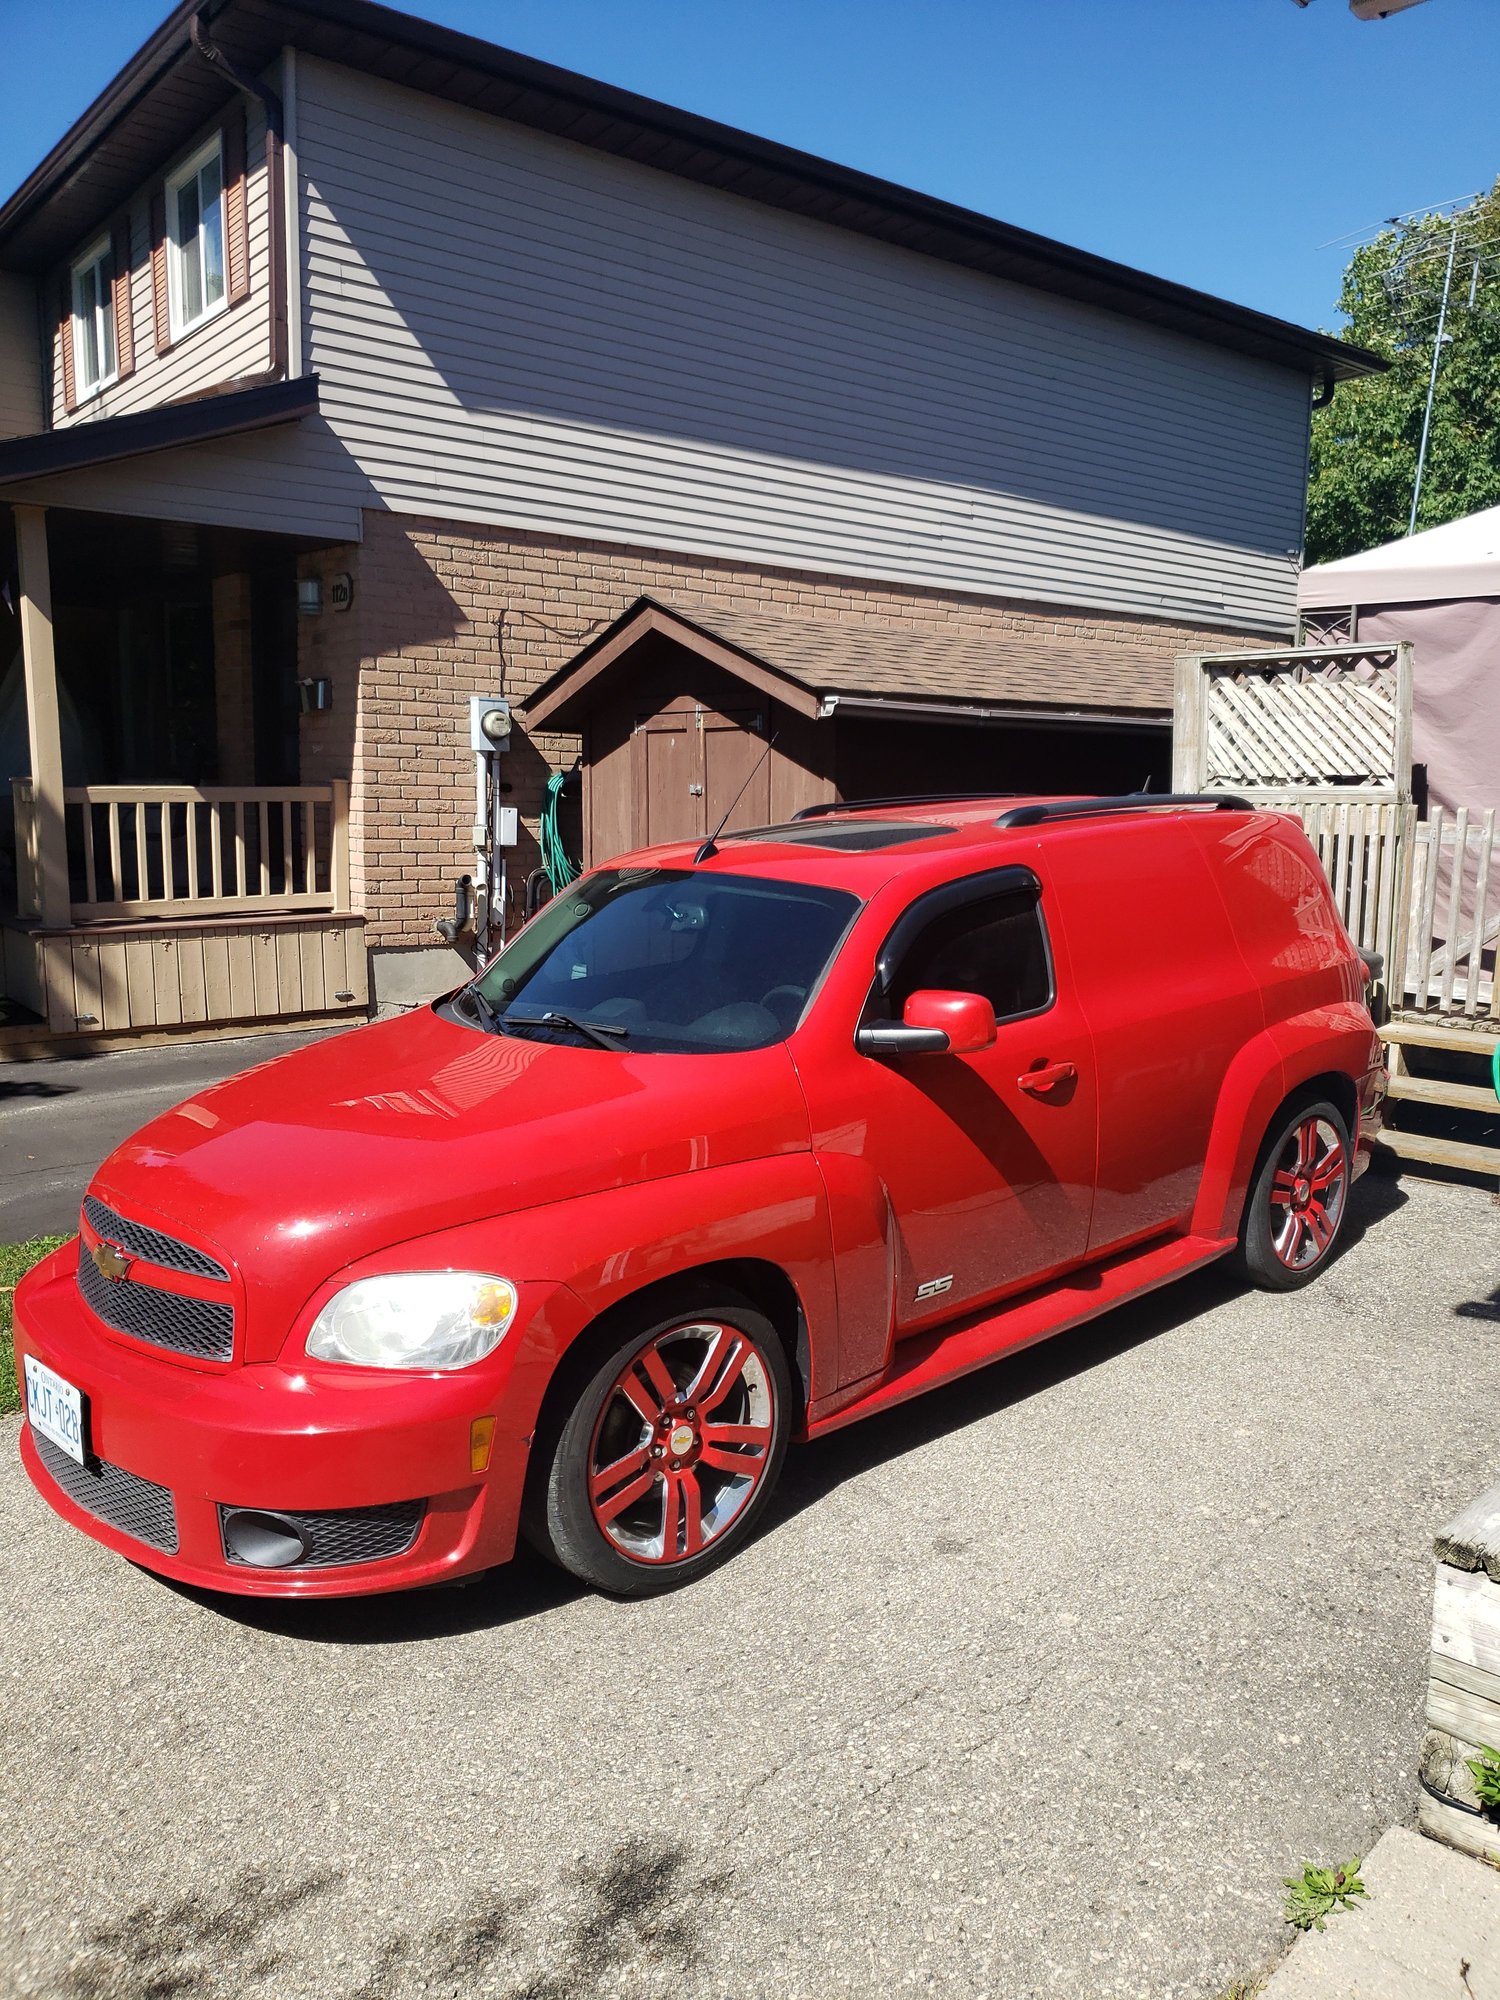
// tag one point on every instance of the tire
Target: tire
(661, 1464)
(1295, 1211)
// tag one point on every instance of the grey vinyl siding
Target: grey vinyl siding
(234, 343)
(20, 358)
(515, 330)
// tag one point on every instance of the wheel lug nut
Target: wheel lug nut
(657, 1452)
(677, 1465)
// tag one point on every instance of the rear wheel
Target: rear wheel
(666, 1458)
(1295, 1212)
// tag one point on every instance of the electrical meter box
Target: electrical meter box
(489, 723)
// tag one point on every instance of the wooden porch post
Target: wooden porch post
(40, 662)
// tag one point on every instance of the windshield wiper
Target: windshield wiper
(484, 1012)
(603, 1034)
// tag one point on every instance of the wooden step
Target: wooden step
(1439, 1090)
(1440, 1152)
(1478, 1041)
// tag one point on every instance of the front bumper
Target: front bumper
(286, 1438)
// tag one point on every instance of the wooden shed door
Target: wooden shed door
(690, 763)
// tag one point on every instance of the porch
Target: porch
(164, 868)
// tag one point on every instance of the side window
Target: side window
(195, 238)
(997, 947)
(93, 328)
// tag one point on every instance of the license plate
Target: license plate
(54, 1407)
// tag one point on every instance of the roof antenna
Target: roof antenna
(710, 846)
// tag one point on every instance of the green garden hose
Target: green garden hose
(559, 869)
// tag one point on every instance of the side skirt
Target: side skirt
(934, 1358)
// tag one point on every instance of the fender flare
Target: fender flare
(1330, 1039)
(605, 1248)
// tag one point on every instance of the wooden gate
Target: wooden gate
(1449, 965)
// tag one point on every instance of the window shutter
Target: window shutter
(236, 209)
(65, 343)
(161, 308)
(120, 299)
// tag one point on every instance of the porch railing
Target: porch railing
(187, 850)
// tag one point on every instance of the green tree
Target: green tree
(1364, 445)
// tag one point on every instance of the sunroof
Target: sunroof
(848, 836)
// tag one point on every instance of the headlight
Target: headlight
(414, 1319)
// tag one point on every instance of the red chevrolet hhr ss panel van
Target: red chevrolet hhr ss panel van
(729, 1145)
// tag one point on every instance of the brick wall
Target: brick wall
(441, 612)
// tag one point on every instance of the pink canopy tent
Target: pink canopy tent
(1441, 590)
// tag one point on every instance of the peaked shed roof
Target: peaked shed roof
(167, 90)
(1461, 559)
(821, 668)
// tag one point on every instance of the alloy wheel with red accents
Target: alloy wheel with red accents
(1307, 1192)
(668, 1454)
(1296, 1207)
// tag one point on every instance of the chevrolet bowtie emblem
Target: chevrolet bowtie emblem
(109, 1262)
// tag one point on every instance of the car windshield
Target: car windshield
(666, 959)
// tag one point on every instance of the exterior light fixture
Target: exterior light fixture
(309, 595)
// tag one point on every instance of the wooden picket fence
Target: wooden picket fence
(1365, 848)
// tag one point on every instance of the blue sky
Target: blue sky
(1219, 142)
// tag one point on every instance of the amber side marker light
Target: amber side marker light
(481, 1441)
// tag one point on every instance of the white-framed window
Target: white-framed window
(95, 362)
(195, 239)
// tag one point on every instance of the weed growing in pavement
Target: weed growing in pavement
(1485, 1770)
(1316, 1893)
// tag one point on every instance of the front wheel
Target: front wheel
(666, 1458)
(1295, 1211)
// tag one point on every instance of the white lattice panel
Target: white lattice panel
(1325, 721)
(1318, 724)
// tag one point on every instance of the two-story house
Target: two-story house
(350, 367)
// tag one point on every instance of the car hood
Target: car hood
(303, 1165)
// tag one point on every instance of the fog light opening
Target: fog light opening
(262, 1541)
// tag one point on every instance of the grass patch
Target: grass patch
(16, 1259)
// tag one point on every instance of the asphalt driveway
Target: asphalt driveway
(59, 1119)
(1036, 1687)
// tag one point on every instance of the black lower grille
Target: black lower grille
(348, 1534)
(145, 1512)
(201, 1327)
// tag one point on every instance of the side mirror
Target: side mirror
(932, 1023)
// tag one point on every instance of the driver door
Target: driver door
(987, 1160)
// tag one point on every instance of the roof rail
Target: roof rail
(1043, 811)
(910, 799)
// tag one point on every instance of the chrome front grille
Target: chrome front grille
(151, 1244)
(138, 1508)
(203, 1328)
